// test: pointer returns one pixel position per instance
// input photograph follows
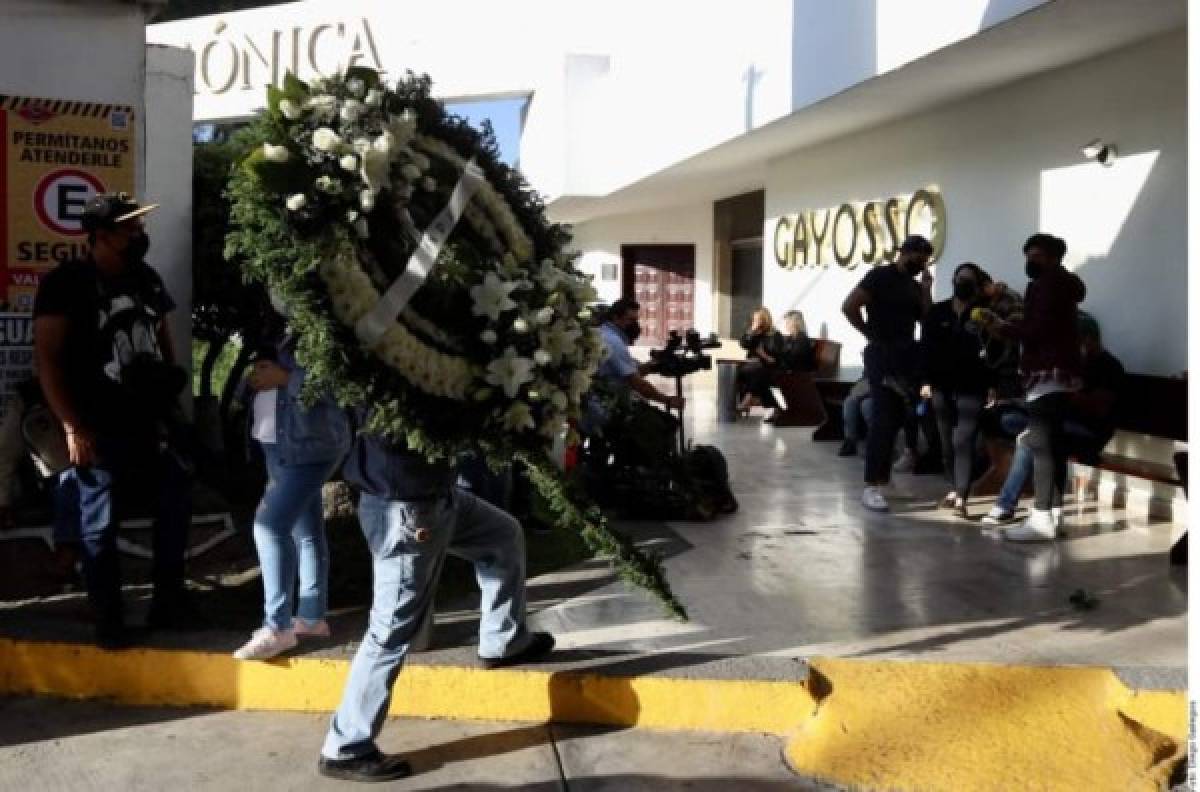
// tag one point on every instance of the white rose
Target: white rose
(374, 97)
(291, 111)
(541, 357)
(319, 84)
(366, 199)
(323, 107)
(545, 316)
(349, 163)
(275, 153)
(488, 336)
(351, 111)
(384, 143)
(356, 87)
(297, 202)
(325, 139)
(520, 325)
(327, 184)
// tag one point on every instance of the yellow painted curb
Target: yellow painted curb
(887, 724)
(955, 727)
(155, 677)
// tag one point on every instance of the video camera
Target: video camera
(683, 355)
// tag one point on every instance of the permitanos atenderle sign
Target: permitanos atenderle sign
(867, 232)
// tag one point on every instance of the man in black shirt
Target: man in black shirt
(106, 364)
(894, 303)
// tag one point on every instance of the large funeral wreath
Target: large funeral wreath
(423, 279)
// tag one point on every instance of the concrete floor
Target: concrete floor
(79, 746)
(802, 569)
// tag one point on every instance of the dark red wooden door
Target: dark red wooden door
(662, 279)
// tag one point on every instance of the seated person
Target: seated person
(796, 350)
(762, 343)
(619, 373)
(856, 415)
(1087, 428)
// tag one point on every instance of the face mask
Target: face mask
(633, 331)
(965, 290)
(135, 251)
(1033, 269)
(913, 268)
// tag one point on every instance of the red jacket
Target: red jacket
(1049, 331)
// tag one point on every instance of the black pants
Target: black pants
(887, 416)
(1044, 438)
(754, 377)
(958, 430)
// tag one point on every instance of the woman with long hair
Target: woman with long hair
(762, 344)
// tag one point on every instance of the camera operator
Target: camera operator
(105, 359)
(619, 366)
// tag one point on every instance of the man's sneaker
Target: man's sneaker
(375, 766)
(951, 501)
(1038, 528)
(1057, 514)
(306, 629)
(998, 516)
(540, 644)
(849, 448)
(873, 499)
(266, 643)
(906, 462)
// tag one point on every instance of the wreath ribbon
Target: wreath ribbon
(375, 323)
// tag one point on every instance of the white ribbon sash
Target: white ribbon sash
(376, 322)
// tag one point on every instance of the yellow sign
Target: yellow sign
(57, 154)
(868, 232)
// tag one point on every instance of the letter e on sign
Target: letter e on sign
(60, 197)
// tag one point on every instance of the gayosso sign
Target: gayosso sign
(867, 232)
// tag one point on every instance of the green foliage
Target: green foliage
(222, 369)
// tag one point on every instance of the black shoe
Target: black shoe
(374, 767)
(849, 448)
(540, 644)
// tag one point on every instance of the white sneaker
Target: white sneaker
(307, 629)
(1057, 513)
(1038, 528)
(873, 499)
(266, 643)
(906, 462)
(998, 516)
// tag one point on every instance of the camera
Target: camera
(684, 354)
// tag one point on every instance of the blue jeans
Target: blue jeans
(289, 535)
(103, 490)
(408, 541)
(1077, 438)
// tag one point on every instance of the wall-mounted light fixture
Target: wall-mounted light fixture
(1098, 150)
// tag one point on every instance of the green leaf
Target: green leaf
(281, 178)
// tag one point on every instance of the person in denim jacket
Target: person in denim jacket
(303, 446)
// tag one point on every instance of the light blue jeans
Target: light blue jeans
(289, 534)
(408, 542)
(1077, 437)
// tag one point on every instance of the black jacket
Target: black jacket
(949, 352)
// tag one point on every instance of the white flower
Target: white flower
(366, 199)
(352, 110)
(351, 215)
(428, 184)
(559, 339)
(361, 227)
(275, 153)
(323, 107)
(319, 84)
(375, 167)
(510, 372)
(585, 314)
(541, 357)
(491, 298)
(384, 143)
(291, 111)
(545, 316)
(411, 172)
(521, 325)
(297, 202)
(356, 87)
(559, 400)
(349, 162)
(518, 417)
(325, 139)
(374, 97)
(488, 336)
(361, 146)
(328, 184)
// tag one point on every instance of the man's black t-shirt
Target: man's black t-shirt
(110, 322)
(895, 306)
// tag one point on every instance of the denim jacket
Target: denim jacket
(306, 436)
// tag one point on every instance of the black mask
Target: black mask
(135, 251)
(1033, 269)
(965, 290)
(913, 268)
(633, 331)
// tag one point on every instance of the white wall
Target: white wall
(169, 181)
(1008, 164)
(599, 242)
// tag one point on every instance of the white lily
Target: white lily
(375, 167)
(559, 339)
(541, 357)
(509, 372)
(325, 139)
(491, 298)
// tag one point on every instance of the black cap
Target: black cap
(107, 210)
(915, 243)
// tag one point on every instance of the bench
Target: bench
(803, 403)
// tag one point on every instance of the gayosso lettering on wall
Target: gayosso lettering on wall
(867, 232)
